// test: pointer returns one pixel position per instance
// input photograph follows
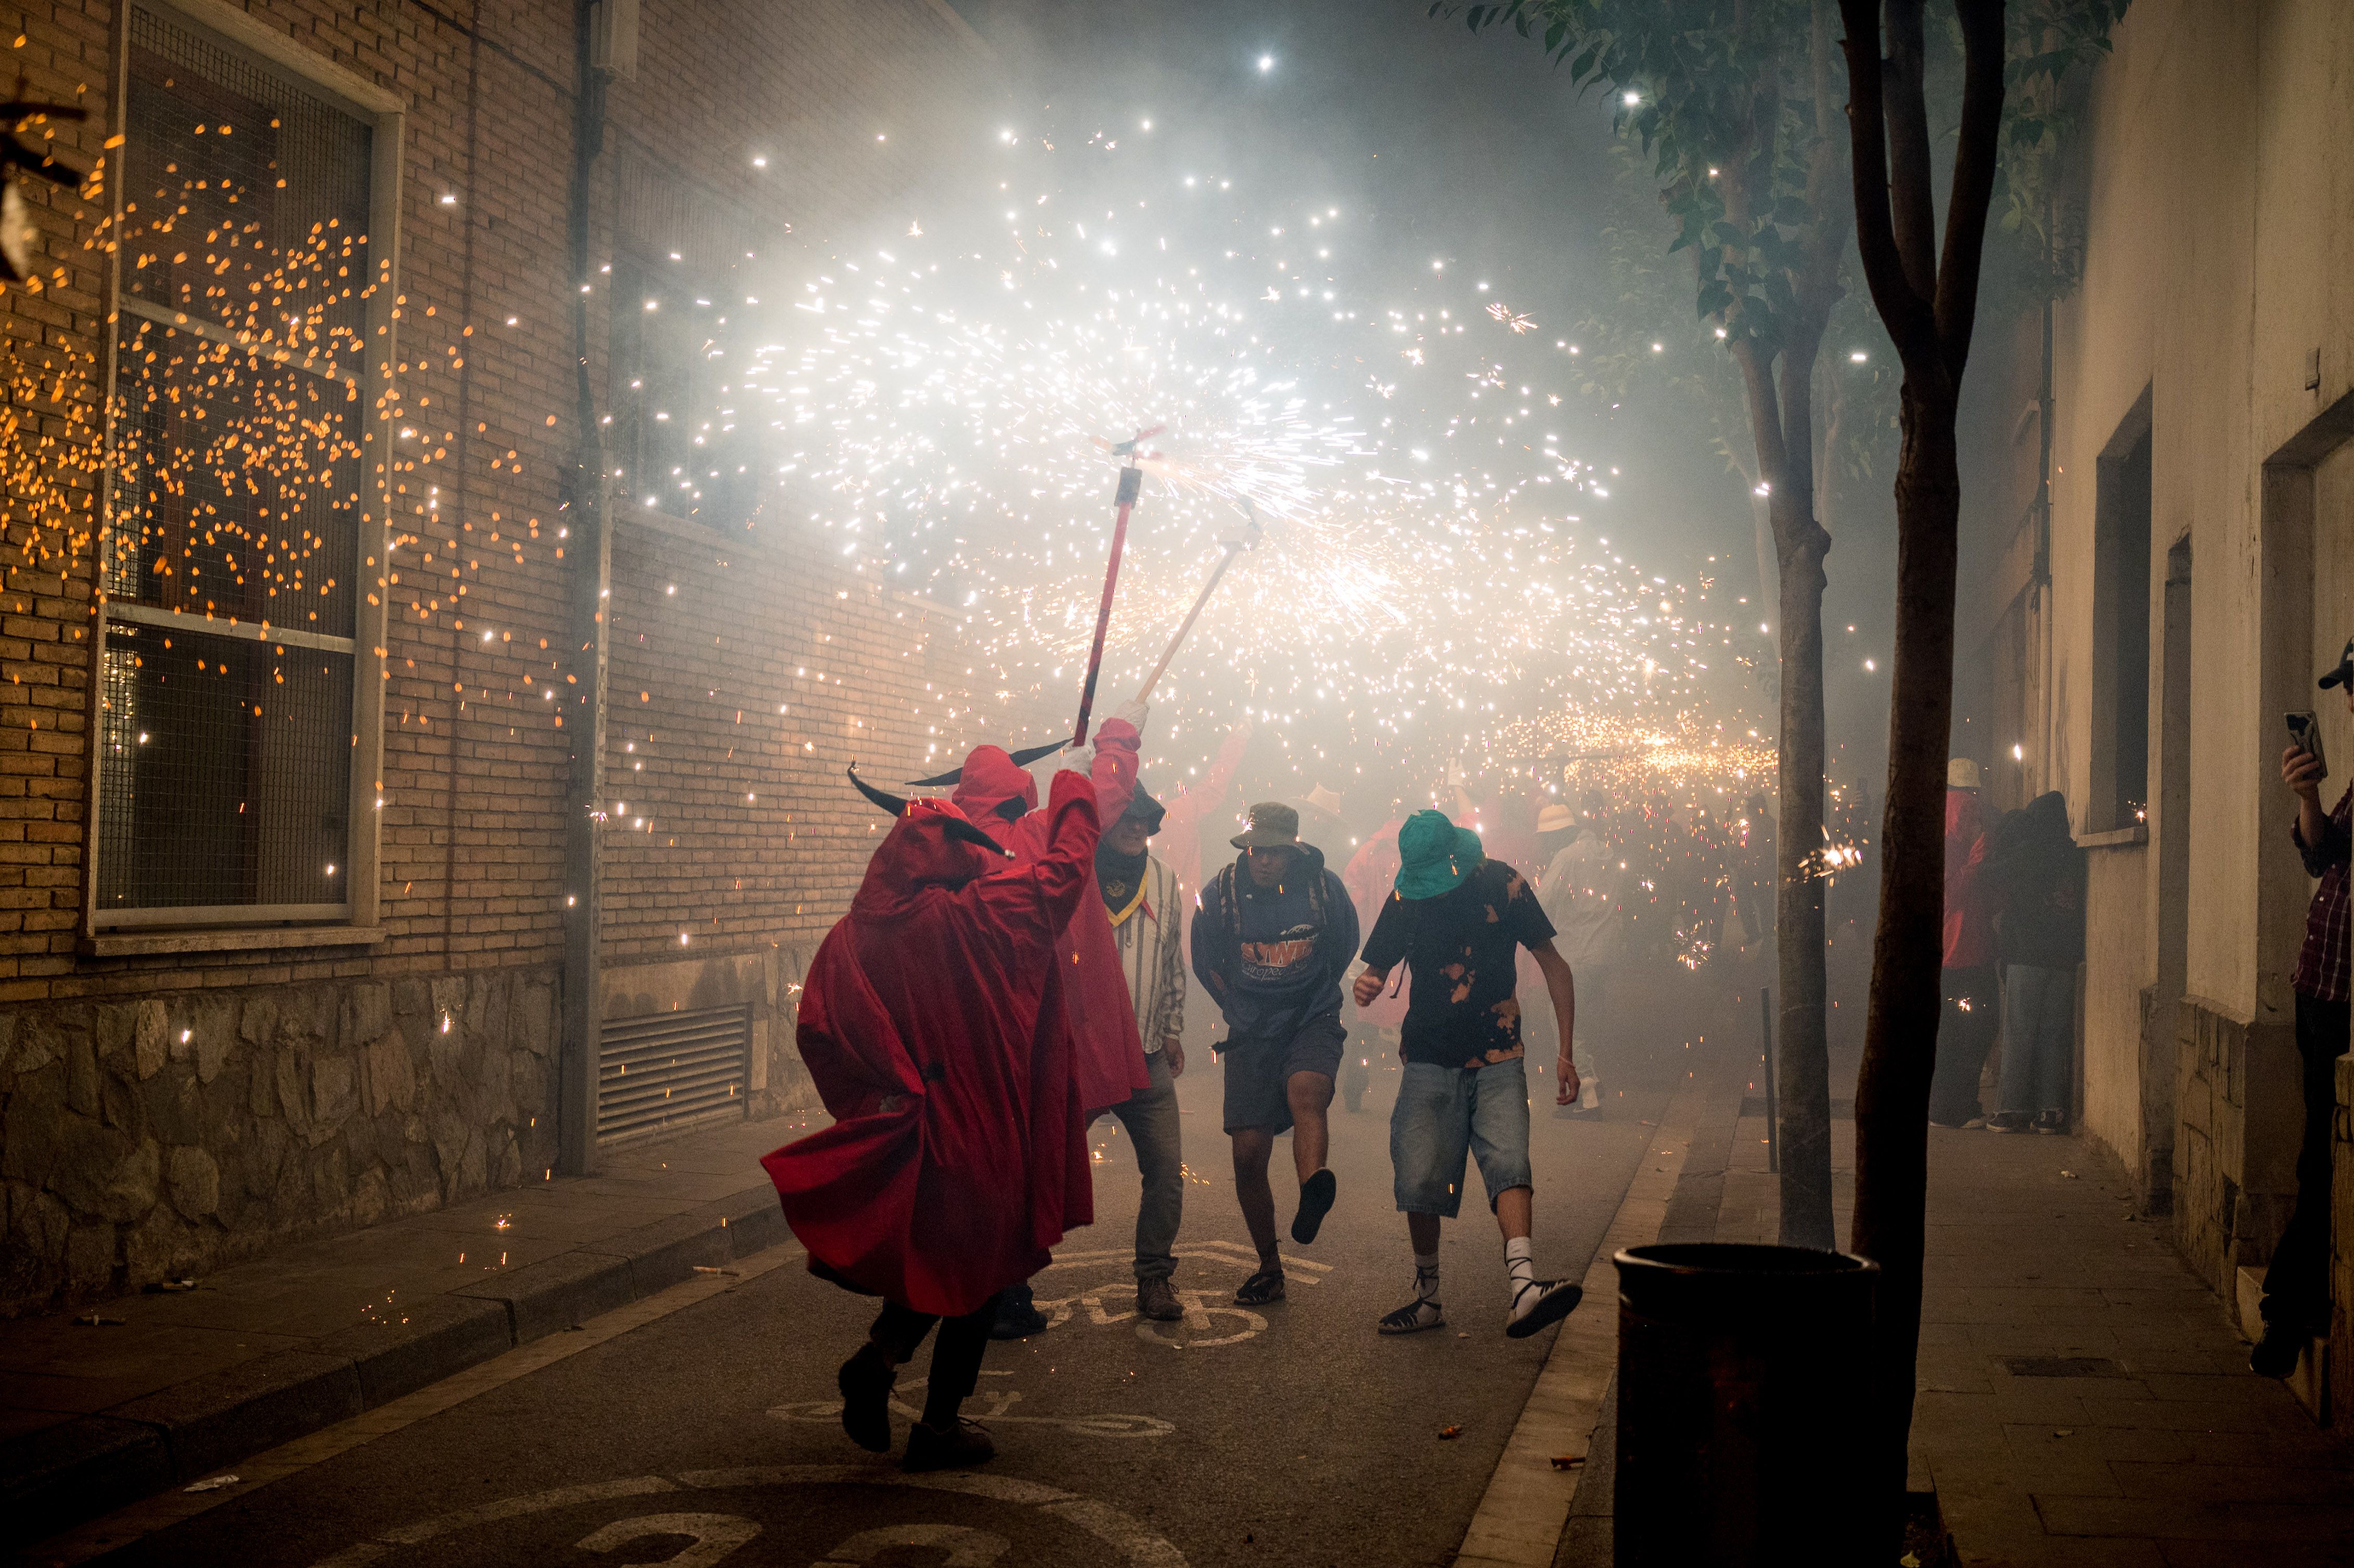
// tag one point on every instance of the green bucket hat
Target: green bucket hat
(1435, 855)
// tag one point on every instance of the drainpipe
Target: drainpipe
(2041, 575)
(589, 550)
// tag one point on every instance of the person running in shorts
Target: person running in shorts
(1272, 937)
(1455, 918)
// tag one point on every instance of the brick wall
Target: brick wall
(750, 844)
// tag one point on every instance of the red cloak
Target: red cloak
(1108, 1053)
(933, 1024)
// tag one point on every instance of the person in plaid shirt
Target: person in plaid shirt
(2296, 1286)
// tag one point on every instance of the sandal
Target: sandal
(1260, 1288)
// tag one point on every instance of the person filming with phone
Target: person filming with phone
(2296, 1286)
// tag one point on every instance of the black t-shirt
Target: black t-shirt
(1460, 947)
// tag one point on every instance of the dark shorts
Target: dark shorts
(1258, 1068)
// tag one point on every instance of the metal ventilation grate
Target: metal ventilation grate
(672, 1070)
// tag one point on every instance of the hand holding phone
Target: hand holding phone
(2304, 774)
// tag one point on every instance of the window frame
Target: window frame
(223, 927)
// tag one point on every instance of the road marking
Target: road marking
(1116, 1530)
(163, 1511)
(996, 1405)
(1235, 1254)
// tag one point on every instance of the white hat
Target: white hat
(1961, 773)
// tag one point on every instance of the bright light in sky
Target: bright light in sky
(1267, 62)
(1633, 99)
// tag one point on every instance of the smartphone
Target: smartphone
(2304, 733)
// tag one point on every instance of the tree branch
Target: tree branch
(1907, 315)
(1976, 159)
(1912, 190)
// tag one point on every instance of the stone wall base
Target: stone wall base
(147, 1140)
(2238, 1118)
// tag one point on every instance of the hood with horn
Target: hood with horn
(931, 844)
(1022, 758)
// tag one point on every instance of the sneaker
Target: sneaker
(1976, 1123)
(1422, 1312)
(931, 1448)
(2052, 1122)
(866, 1380)
(1541, 1303)
(1315, 1196)
(1262, 1287)
(1017, 1316)
(2007, 1121)
(2276, 1354)
(1156, 1299)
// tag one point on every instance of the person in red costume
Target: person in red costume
(933, 1024)
(995, 792)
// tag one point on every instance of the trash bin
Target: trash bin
(1742, 1383)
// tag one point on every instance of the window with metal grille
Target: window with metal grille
(232, 563)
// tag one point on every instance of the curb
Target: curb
(1527, 1504)
(61, 1476)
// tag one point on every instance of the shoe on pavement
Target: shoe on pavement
(930, 1448)
(2008, 1121)
(1315, 1196)
(2052, 1122)
(2276, 1354)
(1541, 1303)
(1422, 1312)
(866, 1380)
(1017, 1317)
(1260, 1288)
(1157, 1299)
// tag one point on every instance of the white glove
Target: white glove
(1080, 759)
(1134, 711)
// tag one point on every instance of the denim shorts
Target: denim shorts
(1443, 1113)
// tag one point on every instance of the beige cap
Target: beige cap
(1961, 773)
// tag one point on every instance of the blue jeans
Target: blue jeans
(2039, 1038)
(1443, 1113)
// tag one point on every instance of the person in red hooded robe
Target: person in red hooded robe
(993, 791)
(933, 1023)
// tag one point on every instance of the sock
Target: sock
(1425, 1276)
(1517, 1263)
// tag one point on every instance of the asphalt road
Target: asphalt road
(1291, 1433)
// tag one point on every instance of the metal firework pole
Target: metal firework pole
(1131, 483)
(1232, 547)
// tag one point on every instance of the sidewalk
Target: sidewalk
(2083, 1399)
(172, 1388)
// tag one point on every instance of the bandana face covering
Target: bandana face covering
(1121, 880)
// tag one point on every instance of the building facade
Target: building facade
(312, 592)
(2196, 573)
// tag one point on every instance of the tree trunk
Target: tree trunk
(1928, 300)
(1803, 1047)
(1892, 1100)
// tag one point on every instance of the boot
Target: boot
(952, 1447)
